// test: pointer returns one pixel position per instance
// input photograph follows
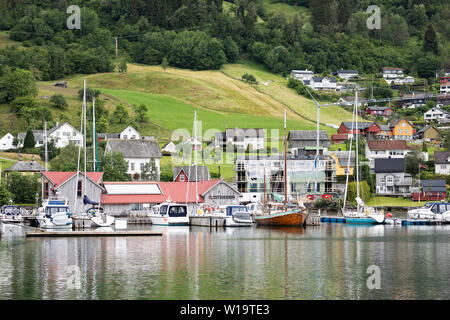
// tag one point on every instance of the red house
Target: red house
(365, 129)
(431, 190)
(384, 112)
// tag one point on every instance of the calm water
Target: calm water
(325, 262)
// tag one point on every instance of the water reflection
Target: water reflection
(329, 261)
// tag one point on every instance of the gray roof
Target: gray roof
(26, 166)
(440, 157)
(307, 135)
(347, 71)
(361, 125)
(37, 134)
(343, 157)
(375, 108)
(320, 79)
(202, 172)
(433, 186)
(390, 165)
(302, 71)
(135, 148)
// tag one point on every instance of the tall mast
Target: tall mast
(349, 156)
(317, 147)
(195, 150)
(84, 138)
(94, 142)
(79, 147)
(285, 163)
(45, 142)
(357, 146)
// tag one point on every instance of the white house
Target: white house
(436, 114)
(442, 162)
(129, 133)
(393, 75)
(347, 74)
(63, 134)
(7, 142)
(376, 149)
(302, 75)
(319, 83)
(38, 138)
(409, 80)
(444, 86)
(243, 137)
(169, 147)
(137, 153)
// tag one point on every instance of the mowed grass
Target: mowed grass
(394, 202)
(288, 10)
(276, 87)
(172, 113)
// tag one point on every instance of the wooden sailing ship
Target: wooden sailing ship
(283, 216)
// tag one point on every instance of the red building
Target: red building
(365, 129)
(384, 112)
(339, 138)
(431, 190)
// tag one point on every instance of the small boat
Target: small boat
(55, 214)
(294, 217)
(237, 216)
(170, 214)
(11, 214)
(100, 219)
(432, 210)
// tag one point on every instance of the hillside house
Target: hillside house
(442, 73)
(341, 159)
(190, 173)
(129, 133)
(71, 186)
(444, 85)
(414, 100)
(401, 129)
(38, 138)
(366, 129)
(428, 134)
(442, 99)
(391, 177)
(384, 112)
(347, 74)
(436, 114)
(393, 75)
(302, 75)
(7, 142)
(349, 101)
(409, 80)
(322, 83)
(241, 138)
(378, 149)
(307, 138)
(169, 147)
(25, 167)
(137, 153)
(63, 134)
(442, 162)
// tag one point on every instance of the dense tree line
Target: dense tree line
(199, 34)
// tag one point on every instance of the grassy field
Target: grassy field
(394, 202)
(288, 10)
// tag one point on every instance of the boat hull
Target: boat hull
(361, 220)
(102, 221)
(231, 222)
(169, 221)
(291, 218)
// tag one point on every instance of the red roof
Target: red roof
(387, 145)
(58, 177)
(173, 191)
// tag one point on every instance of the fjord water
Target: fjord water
(329, 261)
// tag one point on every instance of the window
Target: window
(132, 166)
(125, 136)
(182, 177)
(45, 190)
(79, 189)
(66, 134)
(142, 166)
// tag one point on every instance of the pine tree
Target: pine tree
(430, 40)
(28, 142)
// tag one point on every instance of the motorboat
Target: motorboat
(98, 217)
(55, 214)
(170, 214)
(432, 210)
(236, 216)
(11, 214)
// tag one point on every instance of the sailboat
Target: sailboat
(95, 213)
(363, 214)
(283, 217)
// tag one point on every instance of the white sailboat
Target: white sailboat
(363, 213)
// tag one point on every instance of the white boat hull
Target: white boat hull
(102, 220)
(232, 222)
(169, 221)
(57, 221)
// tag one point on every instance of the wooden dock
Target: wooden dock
(207, 221)
(137, 233)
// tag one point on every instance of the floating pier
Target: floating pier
(207, 221)
(81, 222)
(413, 222)
(312, 221)
(137, 233)
(331, 219)
(139, 220)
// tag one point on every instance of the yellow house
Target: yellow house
(341, 159)
(401, 129)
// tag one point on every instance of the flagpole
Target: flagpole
(419, 183)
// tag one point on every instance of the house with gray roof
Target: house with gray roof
(25, 167)
(137, 153)
(38, 138)
(302, 75)
(391, 177)
(323, 83)
(307, 138)
(191, 173)
(347, 74)
(442, 162)
(241, 138)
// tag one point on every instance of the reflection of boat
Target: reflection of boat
(432, 210)
(170, 214)
(55, 214)
(11, 214)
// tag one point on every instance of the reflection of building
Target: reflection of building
(301, 174)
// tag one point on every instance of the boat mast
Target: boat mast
(285, 163)
(195, 150)
(45, 142)
(357, 148)
(79, 147)
(84, 140)
(317, 148)
(349, 156)
(93, 136)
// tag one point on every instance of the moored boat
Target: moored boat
(11, 214)
(55, 214)
(432, 210)
(170, 214)
(294, 217)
